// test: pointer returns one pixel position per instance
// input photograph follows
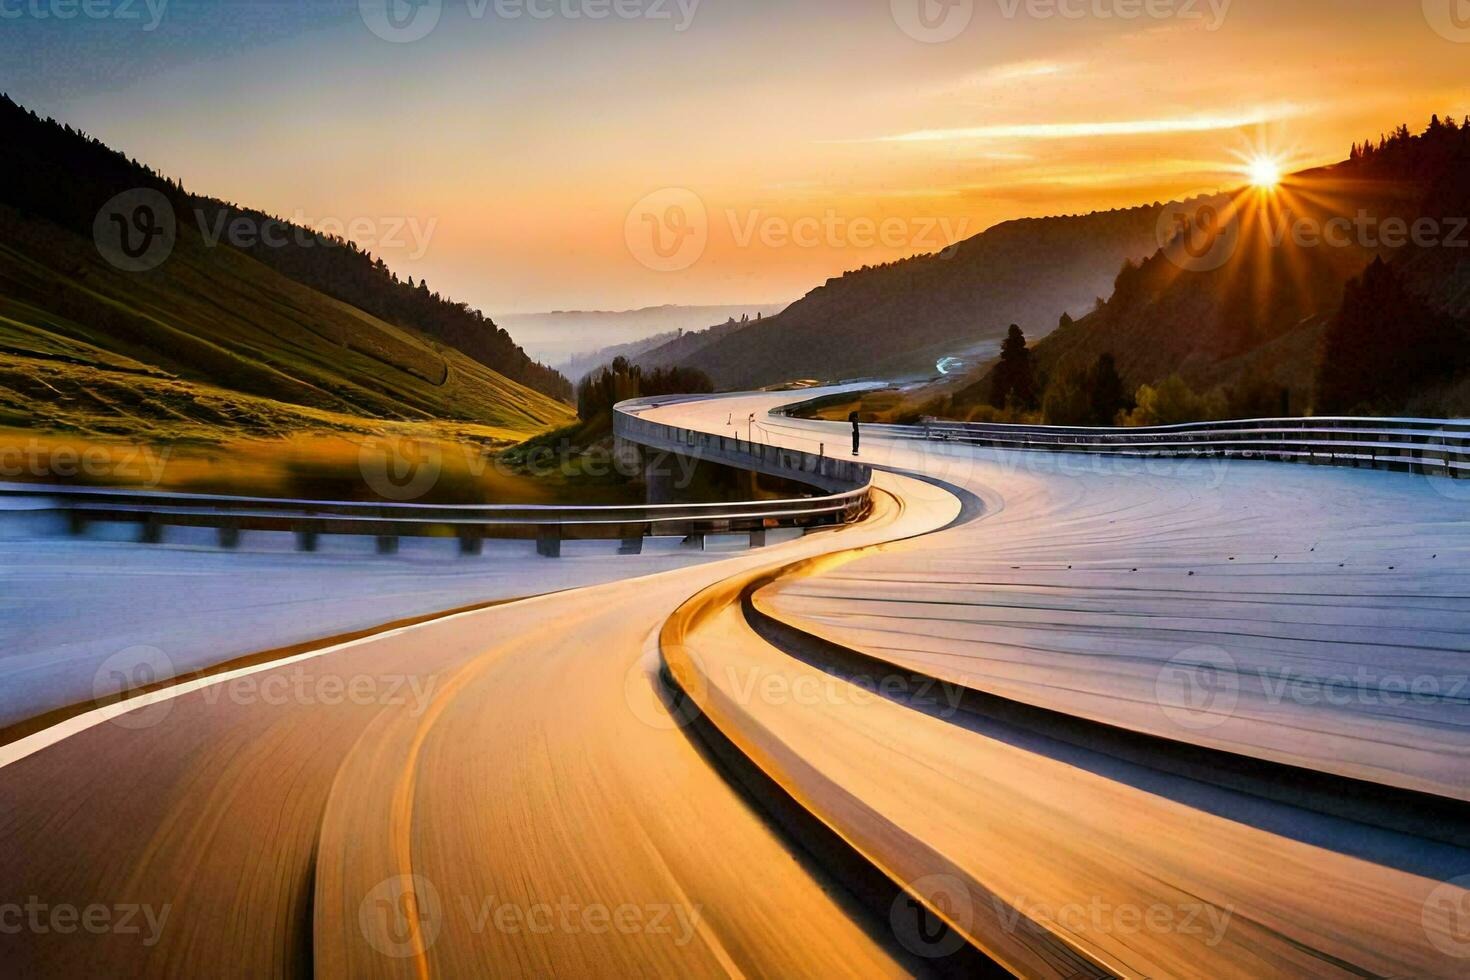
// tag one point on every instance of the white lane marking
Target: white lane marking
(31, 744)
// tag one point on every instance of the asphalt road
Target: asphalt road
(519, 792)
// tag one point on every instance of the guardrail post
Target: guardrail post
(695, 540)
(758, 538)
(632, 543)
(471, 544)
(76, 522)
(387, 544)
(152, 530)
(229, 536)
(306, 539)
(548, 541)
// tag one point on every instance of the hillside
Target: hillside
(212, 343)
(901, 318)
(56, 181)
(1263, 316)
(683, 347)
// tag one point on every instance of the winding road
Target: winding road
(1049, 716)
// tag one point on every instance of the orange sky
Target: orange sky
(803, 138)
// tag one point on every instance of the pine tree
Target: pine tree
(1014, 381)
(1384, 344)
(1107, 394)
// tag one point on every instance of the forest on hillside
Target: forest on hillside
(1285, 326)
(53, 171)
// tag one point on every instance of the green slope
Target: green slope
(213, 337)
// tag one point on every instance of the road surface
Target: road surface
(69, 605)
(1002, 702)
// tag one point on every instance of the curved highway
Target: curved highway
(1051, 716)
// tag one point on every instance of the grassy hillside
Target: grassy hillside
(213, 339)
(212, 344)
(62, 178)
(901, 318)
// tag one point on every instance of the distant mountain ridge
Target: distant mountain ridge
(901, 318)
(564, 336)
(679, 349)
(584, 364)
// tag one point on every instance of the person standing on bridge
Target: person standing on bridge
(856, 434)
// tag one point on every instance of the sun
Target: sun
(1264, 172)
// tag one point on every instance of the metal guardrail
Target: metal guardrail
(550, 525)
(1428, 446)
(471, 524)
(820, 471)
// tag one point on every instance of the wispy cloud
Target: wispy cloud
(1026, 69)
(1079, 130)
(1006, 77)
(1021, 70)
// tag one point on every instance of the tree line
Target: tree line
(621, 380)
(1096, 394)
